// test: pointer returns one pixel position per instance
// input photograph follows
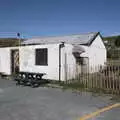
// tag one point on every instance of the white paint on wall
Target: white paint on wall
(5, 60)
(96, 54)
(27, 60)
(68, 63)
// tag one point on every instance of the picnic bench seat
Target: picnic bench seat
(31, 79)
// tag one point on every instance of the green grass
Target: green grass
(77, 86)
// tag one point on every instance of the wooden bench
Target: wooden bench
(31, 79)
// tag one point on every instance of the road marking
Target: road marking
(91, 115)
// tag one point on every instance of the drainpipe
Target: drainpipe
(60, 46)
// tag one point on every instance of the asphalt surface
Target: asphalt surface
(25, 103)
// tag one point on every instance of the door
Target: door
(14, 61)
(82, 64)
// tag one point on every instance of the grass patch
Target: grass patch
(79, 87)
(75, 85)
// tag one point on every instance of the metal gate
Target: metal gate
(14, 61)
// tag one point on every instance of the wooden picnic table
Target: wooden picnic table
(29, 78)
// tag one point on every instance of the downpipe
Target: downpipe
(60, 47)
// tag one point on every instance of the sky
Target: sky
(34, 18)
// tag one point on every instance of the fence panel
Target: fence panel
(106, 78)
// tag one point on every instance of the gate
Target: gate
(14, 61)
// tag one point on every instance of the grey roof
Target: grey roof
(78, 49)
(70, 39)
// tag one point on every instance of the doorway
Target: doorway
(82, 64)
(14, 61)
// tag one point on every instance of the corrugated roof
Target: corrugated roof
(70, 39)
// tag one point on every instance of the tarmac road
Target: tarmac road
(25, 103)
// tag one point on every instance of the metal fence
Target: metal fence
(104, 78)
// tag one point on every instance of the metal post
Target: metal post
(18, 35)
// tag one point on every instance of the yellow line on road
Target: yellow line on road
(91, 115)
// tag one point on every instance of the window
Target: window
(41, 56)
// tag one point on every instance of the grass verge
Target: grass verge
(79, 87)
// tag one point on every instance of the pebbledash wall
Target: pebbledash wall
(27, 60)
(5, 60)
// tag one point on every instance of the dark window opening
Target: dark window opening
(41, 56)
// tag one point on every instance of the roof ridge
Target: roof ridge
(85, 39)
(64, 35)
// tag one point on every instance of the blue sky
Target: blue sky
(58, 17)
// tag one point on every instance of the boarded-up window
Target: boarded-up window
(41, 56)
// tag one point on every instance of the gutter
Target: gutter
(60, 47)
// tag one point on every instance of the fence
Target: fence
(104, 78)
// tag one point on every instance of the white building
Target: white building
(55, 56)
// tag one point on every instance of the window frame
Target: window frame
(45, 60)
